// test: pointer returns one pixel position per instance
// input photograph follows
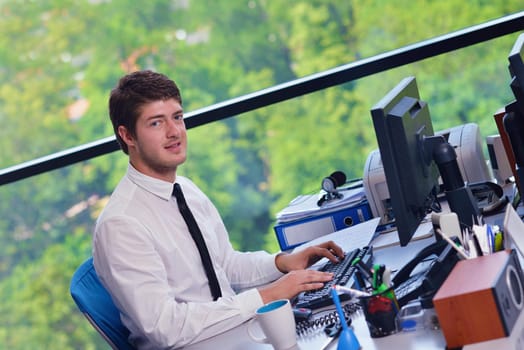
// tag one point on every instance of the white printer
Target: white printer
(467, 142)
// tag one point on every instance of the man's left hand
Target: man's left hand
(304, 258)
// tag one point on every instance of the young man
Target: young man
(143, 251)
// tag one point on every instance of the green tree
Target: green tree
(40, 312)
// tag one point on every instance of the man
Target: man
(143, 251)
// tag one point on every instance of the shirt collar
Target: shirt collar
(159, 188)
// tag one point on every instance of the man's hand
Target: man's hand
(297, 278)
(293, 283)
(308, 256)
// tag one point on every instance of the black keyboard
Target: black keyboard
(343, 275)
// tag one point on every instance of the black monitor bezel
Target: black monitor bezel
(409, 206)
(516, 70)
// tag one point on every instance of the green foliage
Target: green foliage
(61, 58)
(40, 312)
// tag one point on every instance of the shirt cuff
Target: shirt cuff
(249, 301)
(276, 272)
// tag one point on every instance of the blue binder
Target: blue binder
(291, 234)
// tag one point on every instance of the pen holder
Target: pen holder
(380, 311)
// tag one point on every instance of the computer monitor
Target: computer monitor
(514, 111)
(516, 70)
(413, 158)
(402, 124)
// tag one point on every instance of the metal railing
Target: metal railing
(278, 93)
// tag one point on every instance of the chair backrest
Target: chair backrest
(96, 304)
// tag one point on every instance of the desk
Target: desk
(238, 339)
(395, 257)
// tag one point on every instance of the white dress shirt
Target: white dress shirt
(147, 260)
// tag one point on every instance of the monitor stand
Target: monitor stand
(458, 195)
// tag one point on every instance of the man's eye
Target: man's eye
(179, 117)
(155, 123)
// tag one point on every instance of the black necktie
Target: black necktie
(199, 241)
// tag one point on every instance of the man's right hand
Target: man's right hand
(293, 283)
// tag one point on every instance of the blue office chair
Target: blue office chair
(96, 304)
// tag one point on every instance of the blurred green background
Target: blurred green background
(59, 59)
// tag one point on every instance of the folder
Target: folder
(291, 234)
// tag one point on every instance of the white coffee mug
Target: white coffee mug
(278, 324)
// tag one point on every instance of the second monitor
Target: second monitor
(413, 157)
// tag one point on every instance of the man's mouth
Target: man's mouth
(173, 145)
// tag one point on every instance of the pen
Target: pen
(378, 272)
(491, 239)
(359, 280)
(453, 244)
(363, 268)
(353, 292)
(499, 241)
(476, 243)
(386, 277)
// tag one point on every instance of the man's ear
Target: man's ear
(126, 136)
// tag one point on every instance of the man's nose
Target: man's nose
(173, 127)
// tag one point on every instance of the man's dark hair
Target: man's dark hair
(132, 92)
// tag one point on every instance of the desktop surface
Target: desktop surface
(238, 339)
(392, 256)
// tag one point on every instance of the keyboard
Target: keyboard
(343, 275)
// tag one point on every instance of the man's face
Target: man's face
(160, 143)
